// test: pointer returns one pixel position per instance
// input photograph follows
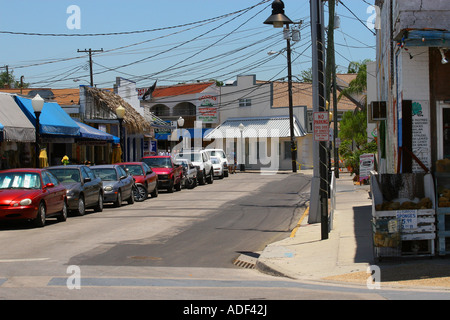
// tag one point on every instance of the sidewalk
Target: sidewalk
(347, 253)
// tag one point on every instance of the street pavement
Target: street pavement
(348, 252)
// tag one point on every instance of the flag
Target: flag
(149, 91)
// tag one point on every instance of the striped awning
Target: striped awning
(257, 127)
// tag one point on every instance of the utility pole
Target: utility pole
(291, 112)
(331, 79)
(319, 184)
(90, 61)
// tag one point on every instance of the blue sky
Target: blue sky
(190, 45)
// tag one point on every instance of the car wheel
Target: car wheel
(154, 193)
(210, 180)
(63, 216)
(118, 201)
(99, 207)
(81, 210)
(202, 179)
(190, 183)
(130, 200)
(41, 215)
(140, 193)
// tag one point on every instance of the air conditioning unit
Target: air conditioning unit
(378, 111)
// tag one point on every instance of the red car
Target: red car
(146, 181)
(31, 194)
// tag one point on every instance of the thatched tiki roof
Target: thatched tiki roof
(133, 121)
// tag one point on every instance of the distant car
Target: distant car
(223, 158)
(170, 175)
(146, 181)
(217, 167)
(189, 173)
(200, 159)
(117, 183)
(84, 188)
(31, 194)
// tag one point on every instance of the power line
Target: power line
(125, 32)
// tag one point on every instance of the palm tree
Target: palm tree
(357, 86)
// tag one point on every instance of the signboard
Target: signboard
(366, 164)
(321, 124)
(421, 141)
(408, 219)
(207, 111)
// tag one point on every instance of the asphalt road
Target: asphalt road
(178, 246)
(229, 217)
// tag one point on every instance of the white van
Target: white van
(219, 153)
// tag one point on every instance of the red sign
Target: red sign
(321, 123)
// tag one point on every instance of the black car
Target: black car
(117, 183)
(84, 188)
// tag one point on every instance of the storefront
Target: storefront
(58, 130)
(93, 145)
(17, 135)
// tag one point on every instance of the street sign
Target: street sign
(321, 126)
(366, 164)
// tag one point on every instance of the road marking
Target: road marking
(24, 260)
(299, 223)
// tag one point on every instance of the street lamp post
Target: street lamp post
(278, 19)
(180, 123)
(120, 112)
(38, 104)
(242, 165)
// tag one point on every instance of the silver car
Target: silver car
(117, 183)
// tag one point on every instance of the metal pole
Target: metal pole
(291, 112)
(121, 140)
(36, 145)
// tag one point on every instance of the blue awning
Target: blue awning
(53, 120)
(89, 132)
(192, 133)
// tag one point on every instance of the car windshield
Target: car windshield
(106, 174)
(19, 180)
(217, 153)
(66, 175)
(134, 169)
(158, 162)
(215, 160)
(194, 157)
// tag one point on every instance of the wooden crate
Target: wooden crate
(417, 226)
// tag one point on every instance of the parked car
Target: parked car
(84, 188)
(117, 183)
(222, 157)
(202, 162)
(170, 175)
(145, 180)
(189, 173)
(217, 167)
(31, 194)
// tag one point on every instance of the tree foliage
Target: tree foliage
(9, 80)
(353, 135)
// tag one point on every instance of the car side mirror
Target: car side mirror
(87, 180)
(49, 185)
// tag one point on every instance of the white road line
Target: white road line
(24, 260)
